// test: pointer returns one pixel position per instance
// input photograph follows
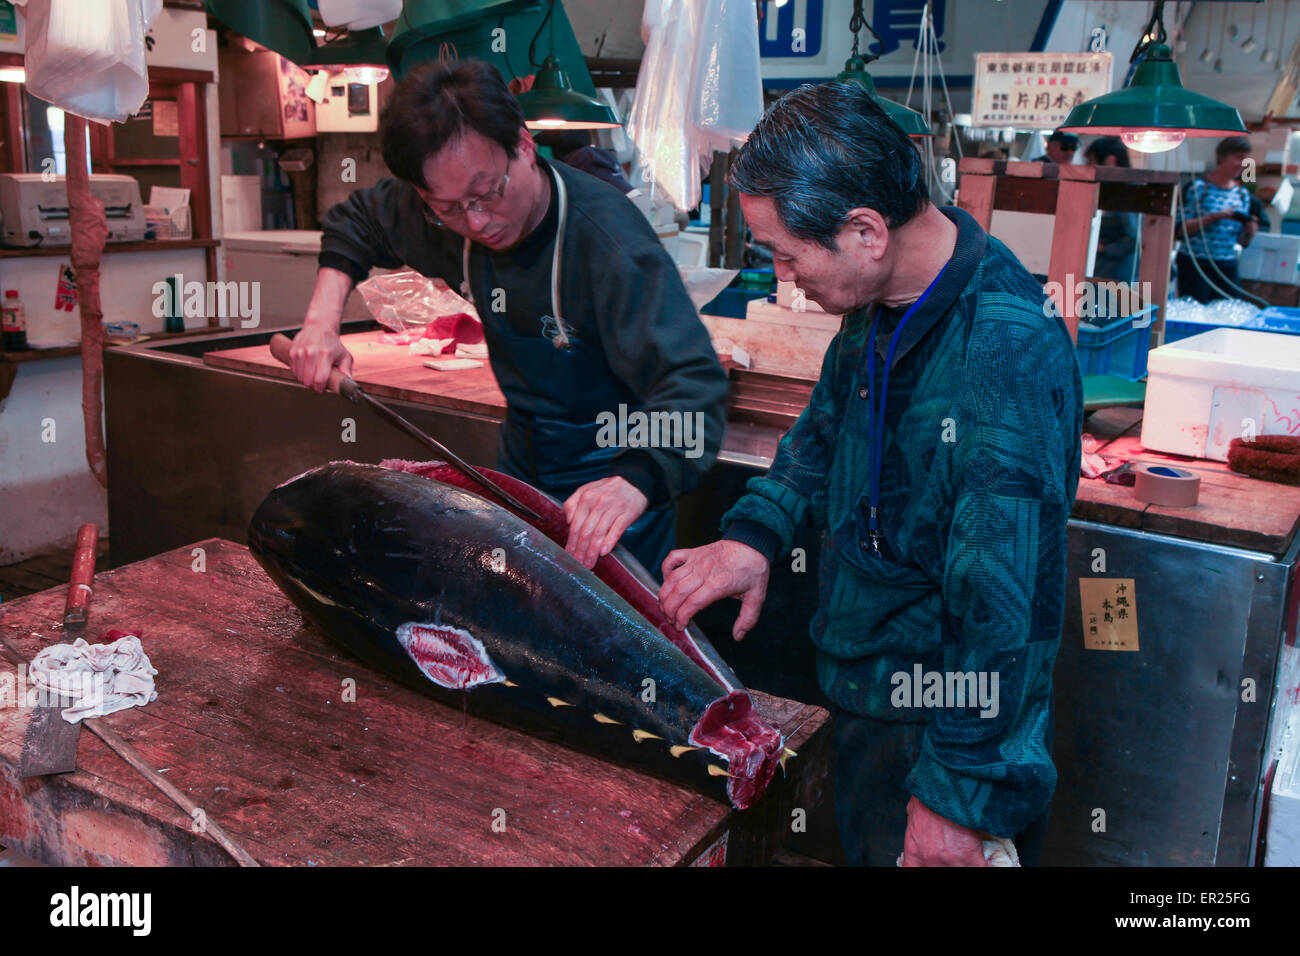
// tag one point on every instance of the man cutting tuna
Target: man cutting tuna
(940, 455)
(584, 313)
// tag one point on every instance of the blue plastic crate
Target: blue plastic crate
(1276, 318)
(1117, 348)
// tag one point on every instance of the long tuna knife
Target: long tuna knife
(51, 742)
(349, 389)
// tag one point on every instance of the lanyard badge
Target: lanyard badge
(878, 404)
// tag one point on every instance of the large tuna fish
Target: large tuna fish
(458, 597)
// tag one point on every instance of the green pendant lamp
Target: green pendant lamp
(855, 71)
(1154, 113)
(910, 121)
(360, 55)
(280, 25)
(553, 103)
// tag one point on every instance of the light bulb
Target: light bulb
(1153, 140)
(547, 123)
(1207, 55)
(366, 74)
(1248, 44)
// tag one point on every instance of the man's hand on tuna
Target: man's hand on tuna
(315, 352)
(932, 840)
(598, 513)
(696, 577)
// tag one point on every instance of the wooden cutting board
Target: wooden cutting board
(387, 371)
(306, 756)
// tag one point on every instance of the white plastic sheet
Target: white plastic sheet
(88, 56)
(699, 89)
(359, 14)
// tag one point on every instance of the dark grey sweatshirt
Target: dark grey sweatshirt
(621, 294)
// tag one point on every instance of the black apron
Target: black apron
(555, 385)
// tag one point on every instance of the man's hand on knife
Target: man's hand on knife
(315, 352)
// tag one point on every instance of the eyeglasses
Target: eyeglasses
(457, 210)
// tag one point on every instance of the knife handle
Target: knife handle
(83, 573)
(338, 383)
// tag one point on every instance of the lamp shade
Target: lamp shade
(553, 103)
(910, 121)
(1154, 109)
(280, 25)
(360, 53)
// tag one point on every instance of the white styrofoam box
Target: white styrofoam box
(1208, 389)
(1271, 257)
(693, 248)
(760, 310)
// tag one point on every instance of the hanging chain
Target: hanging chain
(858, 23)
(1154, 32)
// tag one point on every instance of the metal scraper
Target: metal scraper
(51, 742)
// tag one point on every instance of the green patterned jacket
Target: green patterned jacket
(983, 417)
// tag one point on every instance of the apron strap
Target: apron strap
(562, 335)
(466, 289)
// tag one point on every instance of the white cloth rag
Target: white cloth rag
(98, 678)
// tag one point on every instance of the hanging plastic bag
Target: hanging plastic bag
(658, 121)
(699, 89)
(88, 56)
(727, 83)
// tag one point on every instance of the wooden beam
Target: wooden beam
(15, 131)
(1025, 195)
(172, 74)
(1155, 199)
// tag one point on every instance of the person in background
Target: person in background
(1061, 148)
(1214, 217)
(574, 147)
(1117, 238)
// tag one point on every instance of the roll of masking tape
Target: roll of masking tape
(1166, 486)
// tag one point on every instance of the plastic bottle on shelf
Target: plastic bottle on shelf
(13, 321)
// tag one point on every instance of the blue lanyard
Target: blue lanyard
(878, 402)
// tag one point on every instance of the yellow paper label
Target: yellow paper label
(1109, 614)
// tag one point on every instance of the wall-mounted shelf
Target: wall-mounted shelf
(156, 245)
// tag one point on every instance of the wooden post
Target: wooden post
(1153, 266)
(977, 185)
(1076, 204)
(717, 196)
(734, 250)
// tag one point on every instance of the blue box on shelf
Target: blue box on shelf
(1119, 347)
